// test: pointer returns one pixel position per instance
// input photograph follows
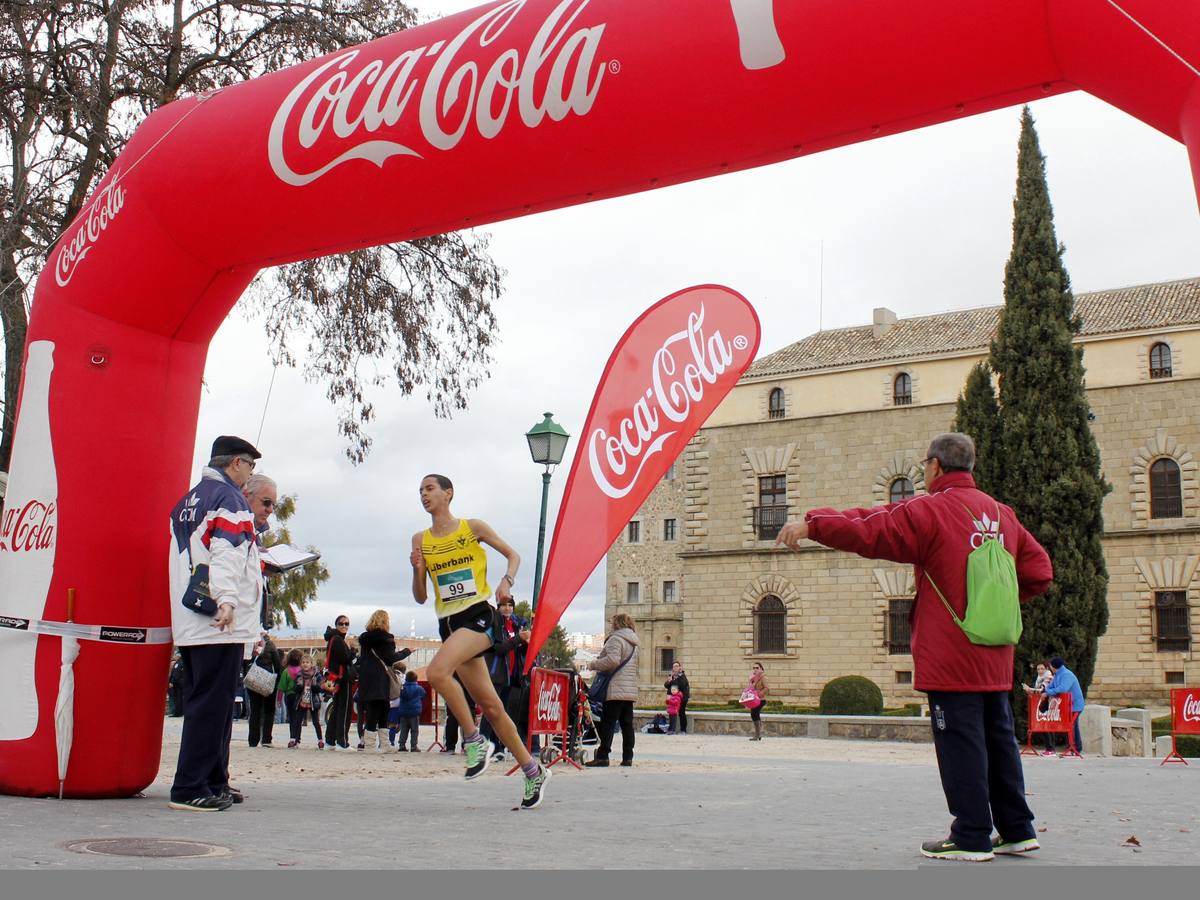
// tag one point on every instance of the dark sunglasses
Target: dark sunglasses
(343, 624)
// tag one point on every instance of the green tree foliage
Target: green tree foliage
(851, 695)
(978, 415)
(1051, 462)
(76, 79)
(292, 591)
(555, 654)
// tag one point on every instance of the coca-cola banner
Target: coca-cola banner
(667, 374)
(1057, 718)
(1185, 710)
(548, 695)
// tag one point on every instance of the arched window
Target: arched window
(902, 390)
(1166, 494)
(775, 403)
(900, 489)
(770, 625)
(1160, 361)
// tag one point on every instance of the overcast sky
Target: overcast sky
(918, 222)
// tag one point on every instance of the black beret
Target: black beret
(228, 445)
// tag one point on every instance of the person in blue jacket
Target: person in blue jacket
(408, 713)
(1065, 682)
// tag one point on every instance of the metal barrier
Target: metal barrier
(1185, 719)
(1052, 721)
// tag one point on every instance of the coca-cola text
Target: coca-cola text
(29, 527)
(1191, 709)
(103, 209)
(673, 390)
(549, 703)
(355, 100)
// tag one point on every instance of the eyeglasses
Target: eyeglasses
(343, 624)
(247, 460)
(269, 504)
(927, 460)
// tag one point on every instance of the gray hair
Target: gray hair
(257, 482)
(222, 462)
(954, 451)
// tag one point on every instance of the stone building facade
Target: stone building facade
(843, 418)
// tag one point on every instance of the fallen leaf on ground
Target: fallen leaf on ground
(1132, 841)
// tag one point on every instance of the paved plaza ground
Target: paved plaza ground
(689, 802)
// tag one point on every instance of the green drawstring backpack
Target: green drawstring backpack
(993, 617)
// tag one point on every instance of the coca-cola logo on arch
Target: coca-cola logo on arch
(105, 207)
(686, 363)
(30, 527)
(342, 103)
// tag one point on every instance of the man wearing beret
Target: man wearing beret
(216, 586)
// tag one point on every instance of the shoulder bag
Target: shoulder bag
(598, 692)
(395, 685)
(260, 680)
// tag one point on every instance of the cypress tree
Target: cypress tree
(978, 415)
(1051, 464)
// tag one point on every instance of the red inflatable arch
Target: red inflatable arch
(515, 107)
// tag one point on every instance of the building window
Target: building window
(771, 513)
(899, 633)
(900, 489)
(633, 592)
(1174, 677)
(775, 404)
(770, 625)
(633, 533)
(1171, 620)
(1166, 494)
(668, 592)
(902, 390)
(666, 658)
(904, 677)
(669, 529)
(1160, 361)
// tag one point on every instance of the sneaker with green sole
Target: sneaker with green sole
(535, 788)
(947, 849)
(479, 756)
(1013, 848)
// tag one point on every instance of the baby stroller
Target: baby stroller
(582, 734)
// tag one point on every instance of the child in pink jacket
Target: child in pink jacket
(674, 701)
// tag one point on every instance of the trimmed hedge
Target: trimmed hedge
(851, 695)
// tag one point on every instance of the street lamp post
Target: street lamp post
(547, 442)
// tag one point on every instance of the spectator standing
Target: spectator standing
(377, 652)
(1039, 686)
(262, 709)
(1065, 682)
(506, 662)
(674, 702)
(620, 652)
(306, 700)
(261, 495)
(759, 687)
(214, 569)
(968, 684)
(340, 673)
(679, 678)
(408, 713)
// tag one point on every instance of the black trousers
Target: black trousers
(339, 720)
(683, 716)
(980, 765)
(375, 713)
(210, 674)
(262, 717)
(295, 716)
(616, 711)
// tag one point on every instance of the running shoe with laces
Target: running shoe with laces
(1013, 848)
(535, 788)
(205, 804)
(479, 756)
(947, 849)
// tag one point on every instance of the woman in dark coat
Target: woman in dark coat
(262, 709)
(377, 652)
(337, 663)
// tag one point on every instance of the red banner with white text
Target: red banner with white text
(1185, 710)
(665, 377)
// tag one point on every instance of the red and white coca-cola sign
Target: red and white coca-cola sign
(354, 106)
(102, 209)
(666, 376)
(29, 528)
(1185, 710)
(548, 692)
(1052, 720)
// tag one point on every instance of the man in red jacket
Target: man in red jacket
(967, 684)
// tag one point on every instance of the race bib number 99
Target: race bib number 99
(457, 585)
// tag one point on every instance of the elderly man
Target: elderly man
(216, 588)
(262, 495)
(968, 684)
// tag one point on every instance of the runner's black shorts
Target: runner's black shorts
(478, 618)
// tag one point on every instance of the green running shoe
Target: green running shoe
(478, 755)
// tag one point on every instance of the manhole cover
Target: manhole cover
(154, 848)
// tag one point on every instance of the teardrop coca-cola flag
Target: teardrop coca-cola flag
(664, 379)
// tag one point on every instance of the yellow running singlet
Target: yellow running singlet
(457, 566)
